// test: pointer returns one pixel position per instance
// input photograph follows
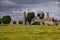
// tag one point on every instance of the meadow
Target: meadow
(29, 32)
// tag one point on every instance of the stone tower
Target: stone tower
(24, 20)
(47, 15)
(41, 15)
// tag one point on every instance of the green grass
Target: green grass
(29, 32)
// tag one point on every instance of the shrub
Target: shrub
(6, 19)
(0, 20)
(36, 23)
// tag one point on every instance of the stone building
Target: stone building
(43, 21)
(39, 19)
(19, 21)
(16, 22)
(24, 19)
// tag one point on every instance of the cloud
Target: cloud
(31, 1)
(6, 2)
(15, 8)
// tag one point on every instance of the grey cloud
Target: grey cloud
(15, 8)
(31, 1)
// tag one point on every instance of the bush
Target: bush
(43, 23)
(0, 20)
(6, 19)
(36, 23)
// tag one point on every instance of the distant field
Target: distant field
(29, 32)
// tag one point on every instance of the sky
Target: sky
(16, 8)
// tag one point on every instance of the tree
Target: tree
(59, 21)
(6, 19)
(0, 20)
(30, 16)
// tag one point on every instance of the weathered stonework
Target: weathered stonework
(45, 21)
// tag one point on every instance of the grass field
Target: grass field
(29, 32)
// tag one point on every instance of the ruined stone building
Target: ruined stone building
(39, 19)
(20, 21)
(43, 20)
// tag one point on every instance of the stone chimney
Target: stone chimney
(24, 20)
(47, 15)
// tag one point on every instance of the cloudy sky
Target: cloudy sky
(15, 8)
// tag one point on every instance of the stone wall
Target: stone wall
(16, 22)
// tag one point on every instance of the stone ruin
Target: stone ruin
(42, 21)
